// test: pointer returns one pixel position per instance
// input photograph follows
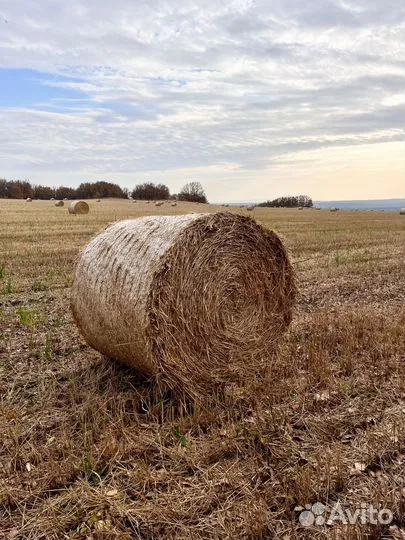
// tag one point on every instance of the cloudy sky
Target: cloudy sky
(255, 99)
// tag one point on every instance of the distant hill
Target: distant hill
(389, 205)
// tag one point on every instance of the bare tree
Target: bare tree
(193, 192)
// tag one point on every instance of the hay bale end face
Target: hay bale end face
(193, 300)
(78, 207)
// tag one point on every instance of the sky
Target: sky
(254, 99)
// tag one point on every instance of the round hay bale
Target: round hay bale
(250, 208)
(192, 300)
(402, 211)
(158, 203)
(28, 199)
(59, 203)
(78, 207)
(174, 204)
(334, 210)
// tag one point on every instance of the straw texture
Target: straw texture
(78, 207)
(191, 300)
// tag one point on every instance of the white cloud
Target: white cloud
(236, 94)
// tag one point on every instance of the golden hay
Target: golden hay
(59, 203)
(78, 207)
(192, 300)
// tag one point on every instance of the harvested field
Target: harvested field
(91, 450)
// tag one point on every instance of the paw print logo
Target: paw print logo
(312, 515)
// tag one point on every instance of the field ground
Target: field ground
(88, 450)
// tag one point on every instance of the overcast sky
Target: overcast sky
(255, 99)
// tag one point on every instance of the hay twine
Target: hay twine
(194, 300)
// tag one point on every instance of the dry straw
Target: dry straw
(78, 207)
(194, 300)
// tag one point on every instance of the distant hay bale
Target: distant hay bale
(59, 203)
(174, 204)
(192, 300)
(78, 207)
(28, 199)
(147, 202)
(300, 208)
(158, 203)
(250, 208)
(98, 200)
(402, 211)
(334, 209)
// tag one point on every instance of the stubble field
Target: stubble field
(88, 449)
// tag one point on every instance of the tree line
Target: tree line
(192, 192)
(292, 201)
(22, 189)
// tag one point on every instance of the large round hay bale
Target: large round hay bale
(402, 211)
(78, 207)
(59, 203)
(192, 300)
(28, 199)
